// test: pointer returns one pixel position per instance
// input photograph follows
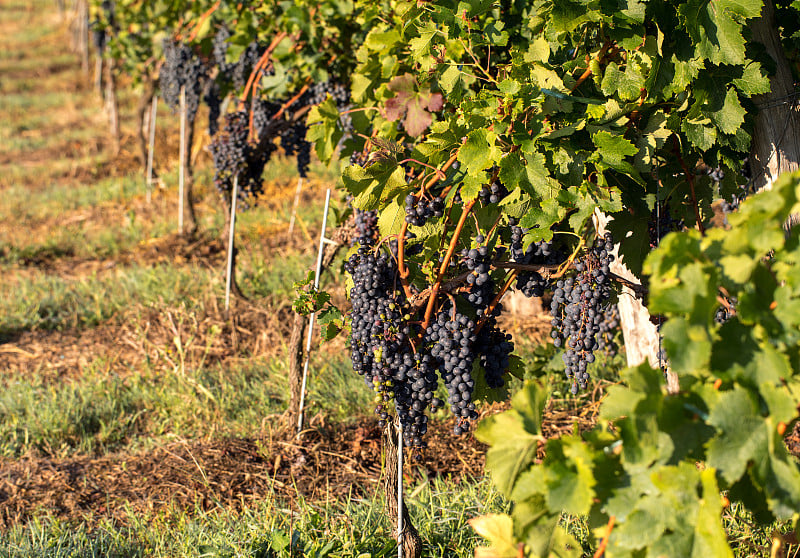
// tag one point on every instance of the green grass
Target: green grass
(103, 411)
(44, 301)
(352, 528)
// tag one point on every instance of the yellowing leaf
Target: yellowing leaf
(498, 529)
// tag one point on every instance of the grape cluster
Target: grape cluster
(319, 91)
(294, 143)
(379, 338)
(447, 349)
(366, 223)
(234, 155)
(263, 111)
(419, 209)
(716, 174)
(660, 223)
(726, 311)
(478, 262)
(211, 97)
(182, 68)
(237, 72)
(340, 94)
(530, 282)
(494, 347)
(493, 193)
(360, 158)
(452, 338)
(607, 330)
(577, 312)
(729, 206)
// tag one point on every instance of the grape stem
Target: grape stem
(262, 62)
(602, 548)
(690, 179)
(401, 236)
(438, 172)
(588, 71)
(446, 262)
(199, 23)
(496, 300)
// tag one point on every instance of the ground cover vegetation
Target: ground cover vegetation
(599, 158)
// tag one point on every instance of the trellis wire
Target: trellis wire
(399, 488)
(318, 272)
(182, 152)
(231, 231)
(658, 243)
(296, 202)
(151, 149)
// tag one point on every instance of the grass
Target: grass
(39, 300)
(101, 412)
(352, 528)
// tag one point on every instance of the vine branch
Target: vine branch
(401, 236)
(445, 262)
(690, 179)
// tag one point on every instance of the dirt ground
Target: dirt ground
(329, 460)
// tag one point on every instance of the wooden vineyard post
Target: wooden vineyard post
(408, 540)
(112, 105)
(182, 155)
(98, 74)
(322, 241)
(83, 35)
(229, 273)
(295, 204)
(151, 149)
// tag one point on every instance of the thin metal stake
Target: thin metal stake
(399, 489)
(229, 274)
(182, 156)
(296, 202)
(322, 240)
(151, 148)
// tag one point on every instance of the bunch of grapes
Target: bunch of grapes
(607, 331)
(360, 158)
(407, 372)
(263, 111)
(294, 143)
(237, 72)
(340, 94)
(182, 68)
(379, 337)
(493, 193)
(661, 223)
(530, 282)
(319, 91)
(234, 155)
(211, 97)
(577, 312)
(419, 209)
(494, 347)
(726, 311)
(452, 339)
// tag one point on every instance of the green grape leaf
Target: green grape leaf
(731, 115)
(742, 436)
(478, 152)
(513, 436)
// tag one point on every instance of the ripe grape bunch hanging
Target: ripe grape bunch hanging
(418, 324)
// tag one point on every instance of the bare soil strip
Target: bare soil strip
(331, 460)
